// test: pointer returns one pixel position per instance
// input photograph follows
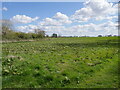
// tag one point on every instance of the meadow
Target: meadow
(68, 62)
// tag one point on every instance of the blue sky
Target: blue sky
(64, 18)
(40, 9)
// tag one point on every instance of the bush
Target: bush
(8, 34)
(99, 35)
(54, 35)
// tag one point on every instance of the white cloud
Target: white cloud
(79, 30)
(49, 22)
(23, 19)
(27, 28)
(95, 29)
(62, 18)
(4, 8)
(100, 7)
(59, 15)
(64, 25)
(82, 15)
(94, 9)
(106, 18)
(54, 29)
(56, 20)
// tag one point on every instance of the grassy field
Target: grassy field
(84, 62)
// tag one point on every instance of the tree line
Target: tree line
(8, 32)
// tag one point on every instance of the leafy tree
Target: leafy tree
(54, 35)
(109, 35)
(47, 35)
(8, 32)
(99, 35)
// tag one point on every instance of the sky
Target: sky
(90, 18)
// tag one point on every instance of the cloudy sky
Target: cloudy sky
(90, 18)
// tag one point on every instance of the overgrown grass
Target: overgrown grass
(85, 62)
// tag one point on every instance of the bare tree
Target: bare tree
(40, 33)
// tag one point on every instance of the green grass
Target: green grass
(85, 62)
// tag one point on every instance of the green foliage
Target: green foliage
(8, 34)
(54, 35)
(84, 62)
